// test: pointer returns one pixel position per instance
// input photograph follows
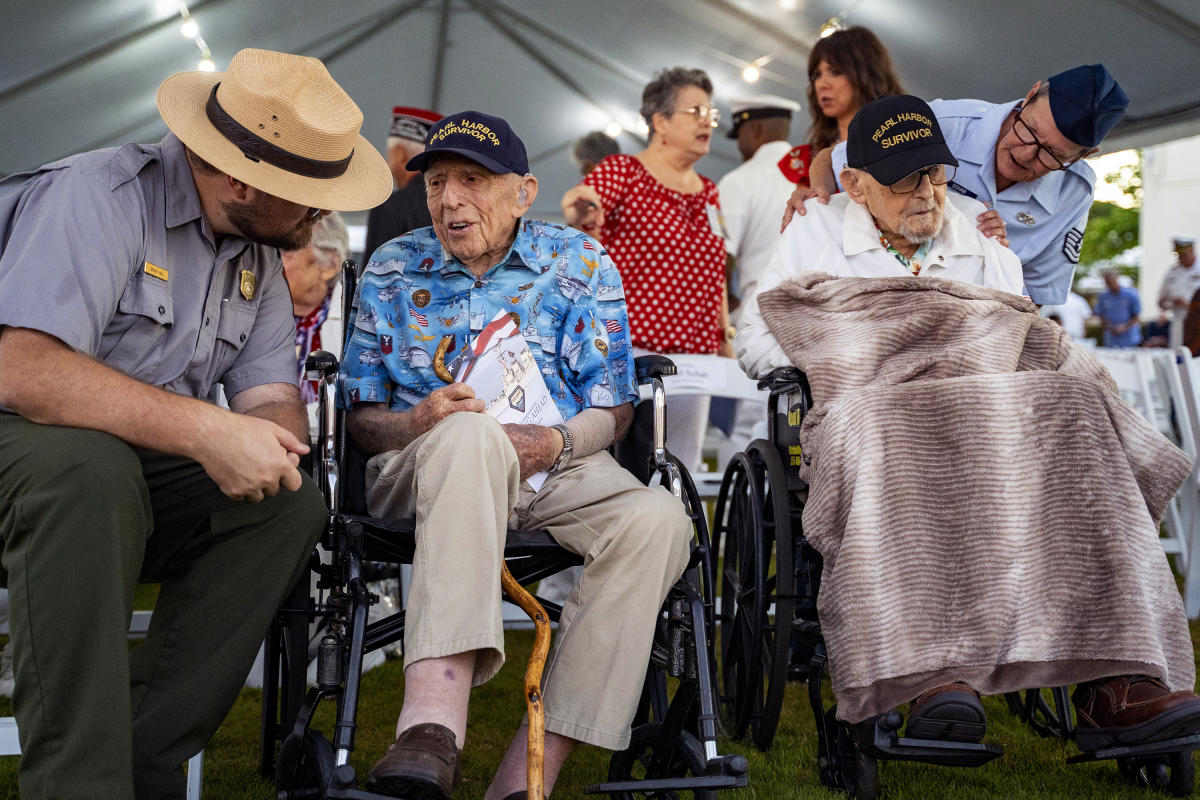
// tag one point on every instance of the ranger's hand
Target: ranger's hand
(250, 458)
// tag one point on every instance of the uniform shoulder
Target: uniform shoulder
(960, 109)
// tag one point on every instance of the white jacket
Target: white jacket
(841, 239)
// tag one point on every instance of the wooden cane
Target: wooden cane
(536, 749)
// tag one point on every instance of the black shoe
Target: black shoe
(951, 712)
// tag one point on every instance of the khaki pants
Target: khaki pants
(461, 480)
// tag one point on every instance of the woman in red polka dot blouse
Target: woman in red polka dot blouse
(661, 223)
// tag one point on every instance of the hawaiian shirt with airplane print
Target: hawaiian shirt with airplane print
(418, 307)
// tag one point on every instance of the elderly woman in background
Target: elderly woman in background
(590, 150)
(661, 222)
(312, 272)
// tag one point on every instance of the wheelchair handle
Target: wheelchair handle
(319, 365)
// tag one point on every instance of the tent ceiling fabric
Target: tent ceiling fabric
(77, 75)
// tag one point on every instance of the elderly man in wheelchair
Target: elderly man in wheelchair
(985, 506)
(424, 299)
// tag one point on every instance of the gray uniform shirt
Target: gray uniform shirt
(109, 252)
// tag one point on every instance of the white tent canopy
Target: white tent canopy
(77, 75)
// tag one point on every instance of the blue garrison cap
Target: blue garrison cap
(1086, 103)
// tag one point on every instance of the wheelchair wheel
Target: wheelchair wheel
(757, 592)
(1174, 773)
(644, 759)
(304, 766)
(843, 764)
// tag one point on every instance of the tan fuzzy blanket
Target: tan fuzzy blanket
(986, 505)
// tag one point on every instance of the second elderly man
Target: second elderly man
(463, 474)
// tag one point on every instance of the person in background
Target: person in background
(846, 70)
(1072, 314)
(1119, 308)
(660, 220)
(1179, 284)
(1157, 331)
(405, 209)
(590, 150)
(312, 273)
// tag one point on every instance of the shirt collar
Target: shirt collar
(183, 201)
(859, 232)
(523, 252)
(771, 151)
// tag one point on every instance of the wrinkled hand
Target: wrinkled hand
(537, 447)
(991, 226)
(441, 403)
(583, 209)
(250, 458)
(796, 202)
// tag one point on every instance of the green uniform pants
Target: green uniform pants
(83, 517)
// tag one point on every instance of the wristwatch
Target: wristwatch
(564, 457)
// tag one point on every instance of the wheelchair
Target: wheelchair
(770, 633)
(673, 749)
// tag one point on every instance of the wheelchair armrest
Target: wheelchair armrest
(652, 366)
(782, 379)
(320, 364)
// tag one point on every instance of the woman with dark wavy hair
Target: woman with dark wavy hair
(846, 70)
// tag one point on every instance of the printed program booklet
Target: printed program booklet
(505, 376)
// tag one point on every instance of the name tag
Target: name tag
(716, 221)
(156, 271)
(958, 187)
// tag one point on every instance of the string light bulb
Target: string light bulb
(613, 129)
(207, 65)
(190, 28)
(787, 5)
(832, 26)
(751, 73)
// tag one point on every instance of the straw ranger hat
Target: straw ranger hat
(281, 124)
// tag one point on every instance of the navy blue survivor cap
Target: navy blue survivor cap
(1086, 103)
(894, 136)
(484, 139)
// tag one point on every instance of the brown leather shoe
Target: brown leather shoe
(951, 712)
(1132, 709)
(422, 764)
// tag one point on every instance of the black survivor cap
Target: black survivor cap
(484, 139)
(895, 136)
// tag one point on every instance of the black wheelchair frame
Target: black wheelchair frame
(674, 739)
(770, 631)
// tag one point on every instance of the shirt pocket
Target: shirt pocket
(236, 322)
(150, 298)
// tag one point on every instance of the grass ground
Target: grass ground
(1031, 767)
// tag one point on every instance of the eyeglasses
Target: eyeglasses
(938, 174)
(314, 213)
(702, 113)
(1044, 155)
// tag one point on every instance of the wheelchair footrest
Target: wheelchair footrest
(933, 751)
(670, 784)
(1164, 747)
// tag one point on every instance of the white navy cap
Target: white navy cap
(758, 106)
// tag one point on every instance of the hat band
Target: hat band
(256, 149)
